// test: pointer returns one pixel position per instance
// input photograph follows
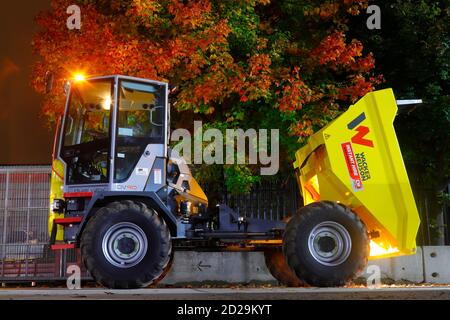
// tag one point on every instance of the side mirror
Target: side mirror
(70, 126)
(48, 82)
(157, 116)
(172, 88)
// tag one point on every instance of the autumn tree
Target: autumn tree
(284, 64)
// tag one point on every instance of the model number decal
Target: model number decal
(124, 188)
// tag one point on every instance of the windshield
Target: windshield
(87, 132)
(140, 121)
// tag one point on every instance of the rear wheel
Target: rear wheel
(126, 245)
(279, 269)
(326, 244)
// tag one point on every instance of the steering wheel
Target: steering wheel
(92, 166)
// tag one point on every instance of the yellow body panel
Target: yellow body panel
(56, 192)
(356, 160)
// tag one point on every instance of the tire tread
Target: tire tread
(140, 280)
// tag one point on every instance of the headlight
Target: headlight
(58, 205)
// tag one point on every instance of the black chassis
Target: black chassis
(216, 225)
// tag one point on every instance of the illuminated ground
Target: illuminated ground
(237, 293)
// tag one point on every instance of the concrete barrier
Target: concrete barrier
(400, 269)
(429, 264)
(437, 264)
(218, 267)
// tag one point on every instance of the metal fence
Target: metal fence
(24, 251)
(270, 200)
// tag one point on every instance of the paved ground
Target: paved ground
(275, 293)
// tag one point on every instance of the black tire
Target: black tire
(279, 269)
(166, 269)
(112, 235)
(310, 244)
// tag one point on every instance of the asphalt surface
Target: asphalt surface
(275, 293)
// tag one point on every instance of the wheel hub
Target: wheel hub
(127, 245)
(327, 244)
(124, 245)
(330, 243)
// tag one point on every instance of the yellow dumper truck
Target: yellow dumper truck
(122, 196)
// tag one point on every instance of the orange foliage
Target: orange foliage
(187, 44)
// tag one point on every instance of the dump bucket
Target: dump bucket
(356, 160)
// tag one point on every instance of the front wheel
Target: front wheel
(126, 245)
(326, 244)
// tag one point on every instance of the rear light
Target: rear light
(75, 204)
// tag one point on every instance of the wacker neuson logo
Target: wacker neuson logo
(357, 166)
(362, 166)
(358, 138)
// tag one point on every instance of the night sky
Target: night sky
(25, 138)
